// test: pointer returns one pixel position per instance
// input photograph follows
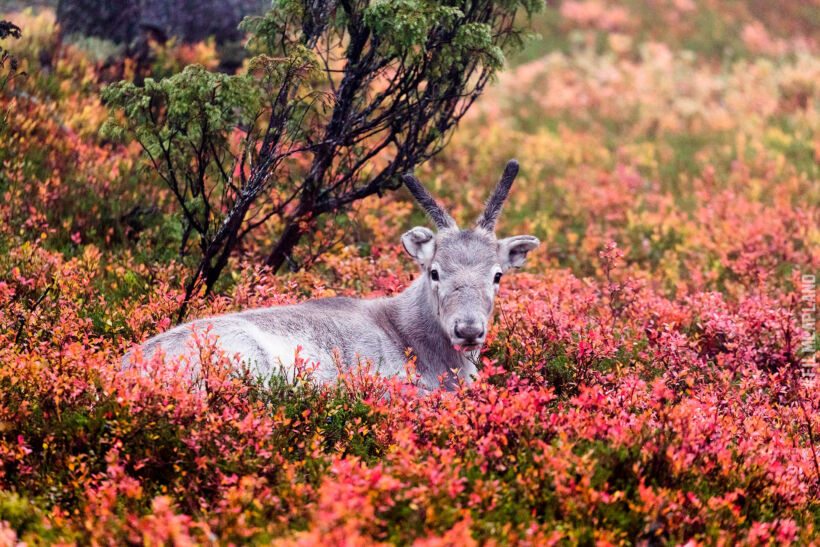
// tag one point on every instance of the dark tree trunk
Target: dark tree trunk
(284, 246)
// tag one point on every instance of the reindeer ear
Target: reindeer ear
(512, 251)
(420, 243)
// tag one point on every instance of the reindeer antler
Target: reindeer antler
(489, 217)
(442, 219)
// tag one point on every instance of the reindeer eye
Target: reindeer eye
(497, 278)
(434, 275)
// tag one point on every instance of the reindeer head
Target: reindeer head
(463, 268)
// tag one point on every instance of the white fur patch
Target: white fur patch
(279, 352)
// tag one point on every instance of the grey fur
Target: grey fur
(438, 215)
(449, 304)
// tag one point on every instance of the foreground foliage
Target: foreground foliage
(642, 381)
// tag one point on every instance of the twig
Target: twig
(24, 319)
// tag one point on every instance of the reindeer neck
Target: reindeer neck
(414, 317)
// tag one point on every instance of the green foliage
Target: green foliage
(405, 26)
(184, 124)
(339, 86)
(27, 520)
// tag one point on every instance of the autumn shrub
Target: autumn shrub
(642, 379)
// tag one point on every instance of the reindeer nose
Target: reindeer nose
(469, 331)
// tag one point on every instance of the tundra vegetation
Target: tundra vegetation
(641, 380)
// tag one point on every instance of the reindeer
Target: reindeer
(441, 318)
